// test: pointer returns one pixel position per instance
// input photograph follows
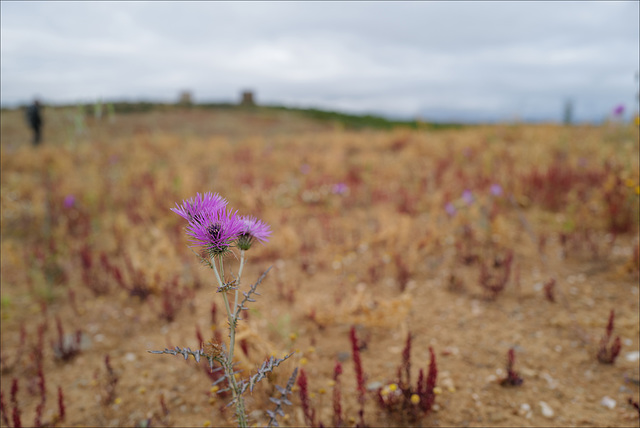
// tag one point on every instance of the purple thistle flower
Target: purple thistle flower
(619, 110)
(254, 230)
(215, 230)
(496, 189)
(69, 201)
(340, 189)
(450, 209)
(467, 196)
(194, 208)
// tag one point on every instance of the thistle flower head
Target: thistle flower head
(618, 110)
(496, 189)
(193, 209)
(340, 189)
(214, 230)
(253, 230)
(450, 209)
(69, 201)
(467, 197)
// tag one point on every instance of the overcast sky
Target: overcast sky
(436, 60)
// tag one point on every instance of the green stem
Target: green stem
(215, 269)
(235, 302)
(230, 315)
(240, 410)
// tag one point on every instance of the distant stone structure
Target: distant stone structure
(567, 118)
(247, 99)
(185, 98)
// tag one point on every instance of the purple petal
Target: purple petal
(196, 207)
(467, 196)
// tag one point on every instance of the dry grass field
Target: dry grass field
(474, 241)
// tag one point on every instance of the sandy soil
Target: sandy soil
(384, 258)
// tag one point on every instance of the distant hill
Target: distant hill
(349, 121)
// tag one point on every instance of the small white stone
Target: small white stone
(547, 411)
(525, 410)
(475, 308)
(451, 350)
(130, 356)
(608, 402)
(492, 378)
(447, 383)
(373, 386)
(551, 382)
(98, 338)
(632, 356)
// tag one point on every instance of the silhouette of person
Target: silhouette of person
(34, 117)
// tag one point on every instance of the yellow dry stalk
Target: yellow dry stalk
(364, 309)
(262, 346)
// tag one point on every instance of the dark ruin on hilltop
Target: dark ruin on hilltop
(185, 98)
(247, 99)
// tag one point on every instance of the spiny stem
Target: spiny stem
(240, 411)
(230, 315)
(232, 327)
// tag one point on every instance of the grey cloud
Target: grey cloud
(401, 58)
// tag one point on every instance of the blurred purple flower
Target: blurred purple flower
(340, 189)
(496, 189)
(254, 229)
(305, 168)
(467, 197)
(619, 110)
(69, 201)
(450, 209)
